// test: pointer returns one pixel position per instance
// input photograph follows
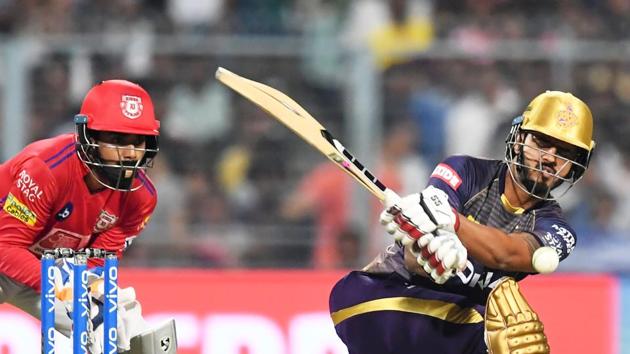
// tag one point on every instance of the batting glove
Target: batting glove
(441, 256)
(418, 214)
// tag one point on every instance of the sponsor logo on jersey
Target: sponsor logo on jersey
(447, 174)
(131, 106)
(65, 212)
(553, 242)
(18, 210)
(567, 236)
(59, 238)
(29, 188)
(481, 278)
(105, 222)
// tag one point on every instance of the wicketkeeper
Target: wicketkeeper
(87, 189)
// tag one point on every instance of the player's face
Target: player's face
(115, 148)
(548, 159)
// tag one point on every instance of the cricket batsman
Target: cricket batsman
(449, 283)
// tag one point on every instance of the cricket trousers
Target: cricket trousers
(382, 313)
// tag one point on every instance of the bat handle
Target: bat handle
(391, 199)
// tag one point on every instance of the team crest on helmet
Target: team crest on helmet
(131, 106)
(566, 118)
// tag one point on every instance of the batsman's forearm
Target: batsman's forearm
(495, 248)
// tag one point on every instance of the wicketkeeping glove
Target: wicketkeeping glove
(130, 321)
(511, 325)
(129, 314)
(441, 255)
(418, 214)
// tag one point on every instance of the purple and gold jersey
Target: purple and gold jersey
(475, 189)
(386, 309)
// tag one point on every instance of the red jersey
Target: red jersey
(46, 204)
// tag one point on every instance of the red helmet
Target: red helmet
(116, 106)
(120, 106)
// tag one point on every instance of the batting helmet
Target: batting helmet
(116, 106)
(559, 115)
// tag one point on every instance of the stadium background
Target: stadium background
(253, 226)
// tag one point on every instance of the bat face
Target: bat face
(296, 118)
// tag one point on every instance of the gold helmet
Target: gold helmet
(559, 115)
(562, 116)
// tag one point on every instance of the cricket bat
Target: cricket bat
(296, 118)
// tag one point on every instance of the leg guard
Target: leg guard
(511, 325)
(159, 340)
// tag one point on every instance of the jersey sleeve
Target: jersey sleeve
(552, 230)
(455, 178)
(26, 208)
(118, 238)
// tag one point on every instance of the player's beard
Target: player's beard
(539, 189)
(120, 177)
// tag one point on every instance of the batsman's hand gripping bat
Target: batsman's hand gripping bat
(296, 118)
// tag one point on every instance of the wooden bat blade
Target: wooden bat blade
(296, 118)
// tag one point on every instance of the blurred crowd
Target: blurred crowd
(236, 189)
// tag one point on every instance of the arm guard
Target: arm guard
(511, 325)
